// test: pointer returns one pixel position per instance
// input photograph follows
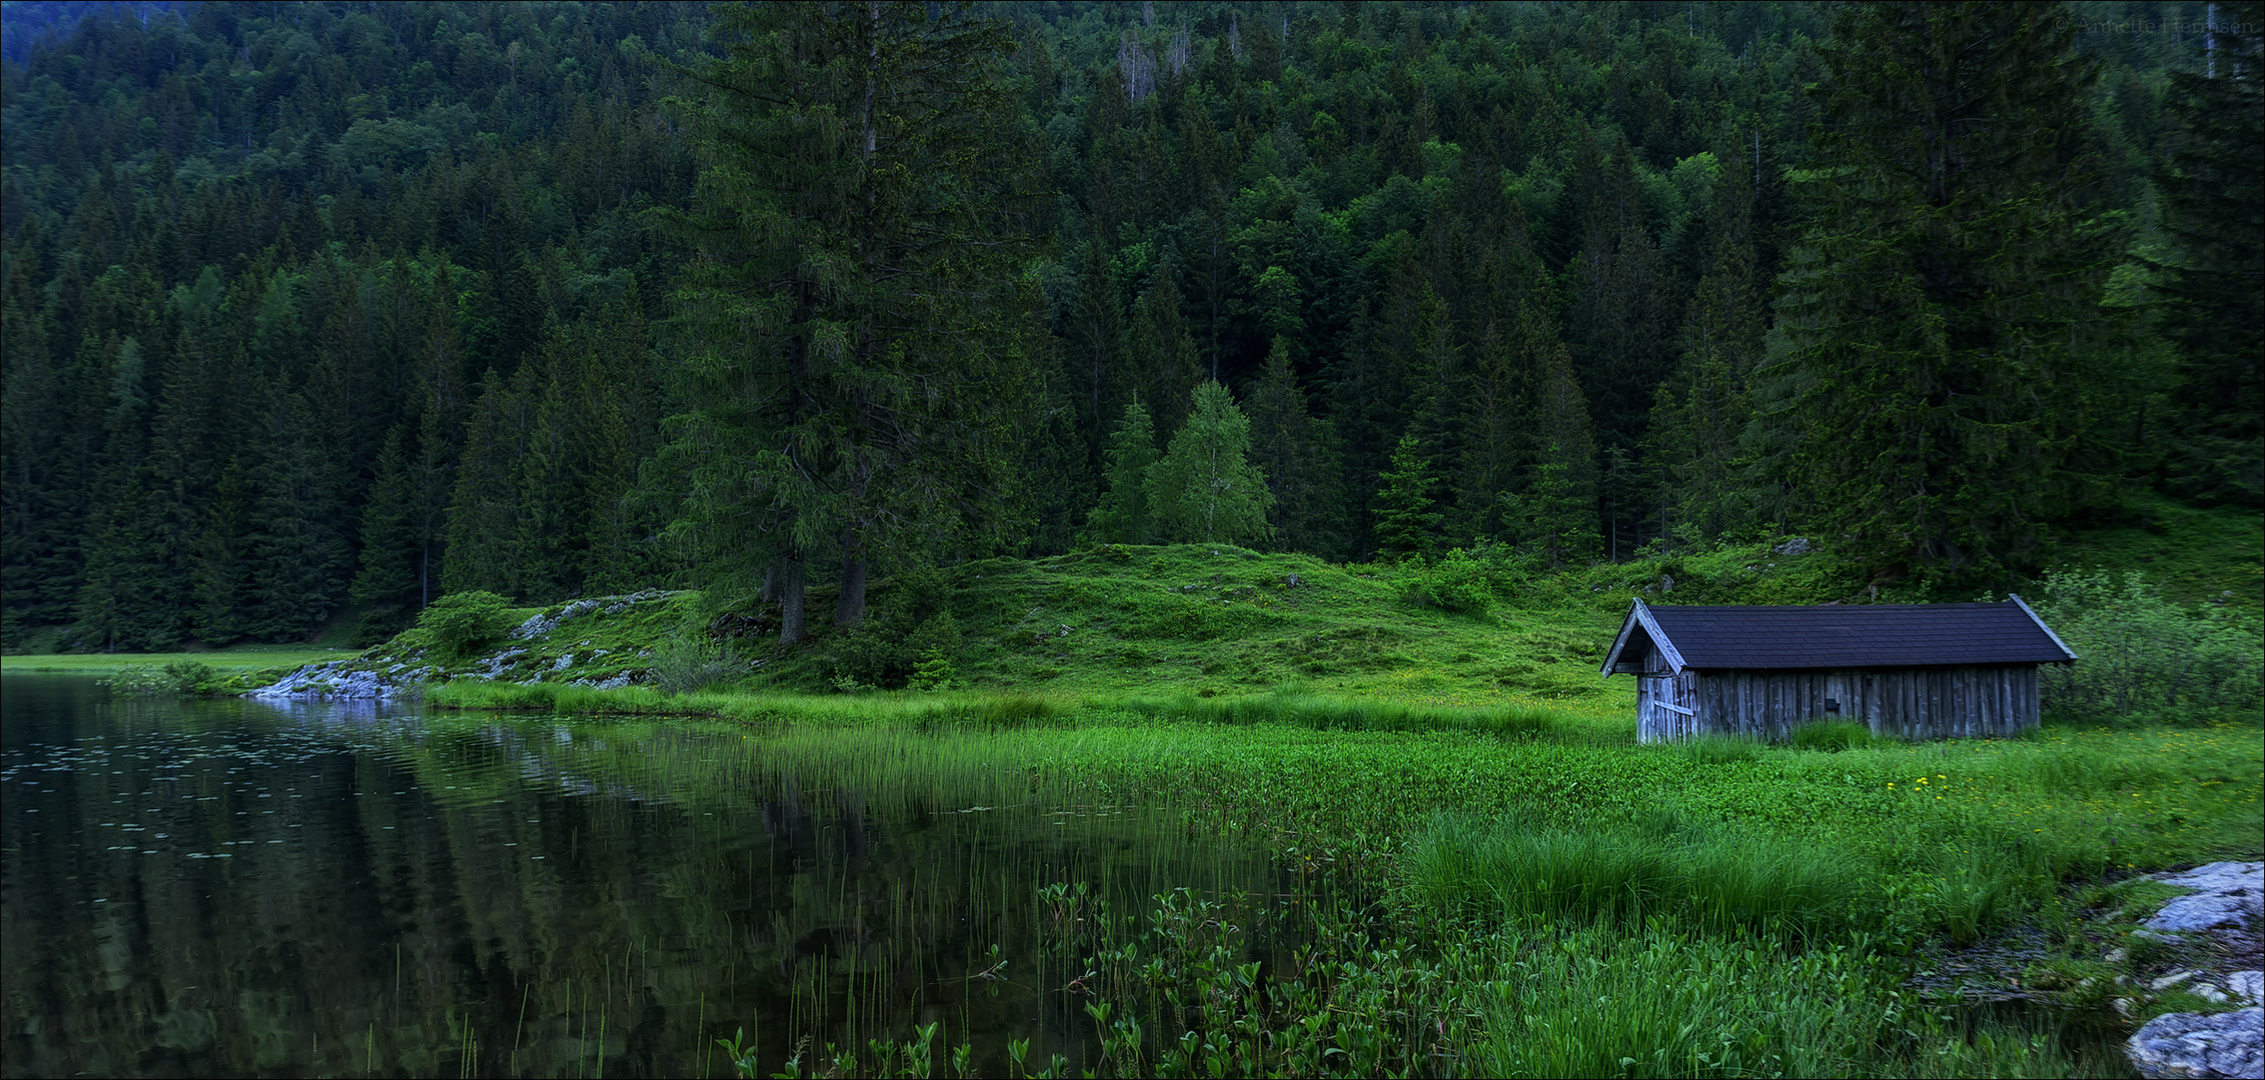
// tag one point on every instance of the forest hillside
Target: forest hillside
(315, 313)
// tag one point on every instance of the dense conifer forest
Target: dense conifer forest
(315, 312)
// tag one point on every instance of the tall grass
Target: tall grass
(1296, 707)
(1598, 1003)
(1287, 707)
(1709, 878)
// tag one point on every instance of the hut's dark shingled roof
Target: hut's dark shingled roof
(1857, 635)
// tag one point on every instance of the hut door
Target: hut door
(1663, 705)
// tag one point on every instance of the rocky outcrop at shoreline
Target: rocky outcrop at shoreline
(554, 645)
(340, 680)
(2228, 903)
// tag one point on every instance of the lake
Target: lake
(232, 887)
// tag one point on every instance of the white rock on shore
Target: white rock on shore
(2193, 1045)
(2228, 896)
(332, 681)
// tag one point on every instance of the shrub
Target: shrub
(1461, 583)
(2141, 656)
(462, 624)
(907, 631)
(690, 661)
(187, 678)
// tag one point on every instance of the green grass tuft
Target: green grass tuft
(1831, 735)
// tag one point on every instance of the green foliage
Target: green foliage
(2208, 300)
(870, 364)
(1406, 520)
(689, 661)
(857, 352)
(183, 678)
(2141, 657)
(1205, 489)
(460, 625)
(1831, 735)
(1940, 327)
(1551, 519)
(1461, 582)
(937, 642)
(912, 635)
(1126, 515)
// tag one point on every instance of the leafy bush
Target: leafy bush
(690, 661)
(462, 624)
(1462, 583)
(2140, 656)
(187, 678)
(909, 635)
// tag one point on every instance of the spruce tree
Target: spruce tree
(1407, 516)
(484, 506)
(1937, 319)
(2212, 302)
(1205, 489)
(387, 579)
(1555, 515)
(1296, 451)
(1125, 515)
(856, 273)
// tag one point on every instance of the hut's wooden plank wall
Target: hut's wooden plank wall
(1910, 703)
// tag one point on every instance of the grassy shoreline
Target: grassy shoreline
(1494, 853)
(233, 660)
(1718, 878)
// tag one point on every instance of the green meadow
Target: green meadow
(1521, 889)
(1493, 877)
(1483, 873)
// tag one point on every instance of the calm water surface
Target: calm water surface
(236, 888)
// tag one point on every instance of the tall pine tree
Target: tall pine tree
(855, 274)
(1938, 315)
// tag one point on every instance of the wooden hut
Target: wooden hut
(1913, 671)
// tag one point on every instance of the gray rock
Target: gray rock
(331, 682)
(2230, 1044)
(2228, 895)
(2247, 985)
(1796, 546)
(539, 624)
(492, 667)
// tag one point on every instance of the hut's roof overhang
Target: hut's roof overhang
(1758, 638)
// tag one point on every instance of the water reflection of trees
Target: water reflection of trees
(488, 895)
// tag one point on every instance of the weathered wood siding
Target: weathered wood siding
(1906, 703)
(1667, 704)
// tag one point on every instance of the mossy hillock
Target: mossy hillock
(1207, 620)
